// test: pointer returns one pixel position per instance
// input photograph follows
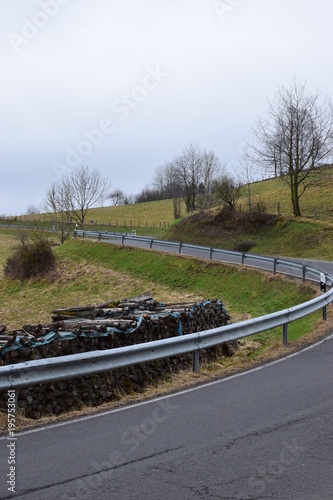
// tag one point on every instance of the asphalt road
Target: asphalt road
(264, 434)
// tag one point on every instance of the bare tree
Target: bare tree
(190, 176)
(173, 186)
(159, 181)
(188, 168)
(211, 169)
(117, 197)
(167, 182)
(129, 200)
(55, 206)
(228, 190)
(33, 210)
(247, 173)
(295, 138)
(83, 188)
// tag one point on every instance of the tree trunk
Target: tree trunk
(295, 201)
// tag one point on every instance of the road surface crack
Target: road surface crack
(89, 476)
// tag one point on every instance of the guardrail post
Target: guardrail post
(303, 272)
(122, 239)
(195, 361)
(324, 313)
(210, 253)
(180, 248)
(99, 236)
(75, 233)
(151, 244)
(83, 235)
(285, 334)
(274, 266)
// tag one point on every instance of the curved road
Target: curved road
(263, 434)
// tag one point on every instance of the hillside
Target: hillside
(317, 199)
(278, 236)
(309, 236)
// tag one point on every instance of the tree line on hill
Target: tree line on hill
(195, 176)
(292, 141)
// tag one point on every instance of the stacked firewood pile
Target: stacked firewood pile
(106, 326)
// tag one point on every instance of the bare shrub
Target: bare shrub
(260, 217)
(244, 246)
(32, 258)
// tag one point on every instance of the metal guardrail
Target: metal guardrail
(76, 365)
(272, 264)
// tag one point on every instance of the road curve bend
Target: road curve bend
(266, 433)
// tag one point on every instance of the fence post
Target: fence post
(195, 361)
(285, 334)
(324, 313)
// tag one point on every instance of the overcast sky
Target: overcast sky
(126, 85)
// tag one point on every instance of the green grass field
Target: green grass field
(91, 272)
(317, 200)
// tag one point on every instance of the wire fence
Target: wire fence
(90, 223)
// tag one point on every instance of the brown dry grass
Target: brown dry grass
(33, 301)
(7, 242)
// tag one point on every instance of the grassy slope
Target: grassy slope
(288, 237)
(317, 197)
(93, 272)
(150, 213)
(304, 237)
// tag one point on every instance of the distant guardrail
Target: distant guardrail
(26, 226)
(273, 264)
(76, 365)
